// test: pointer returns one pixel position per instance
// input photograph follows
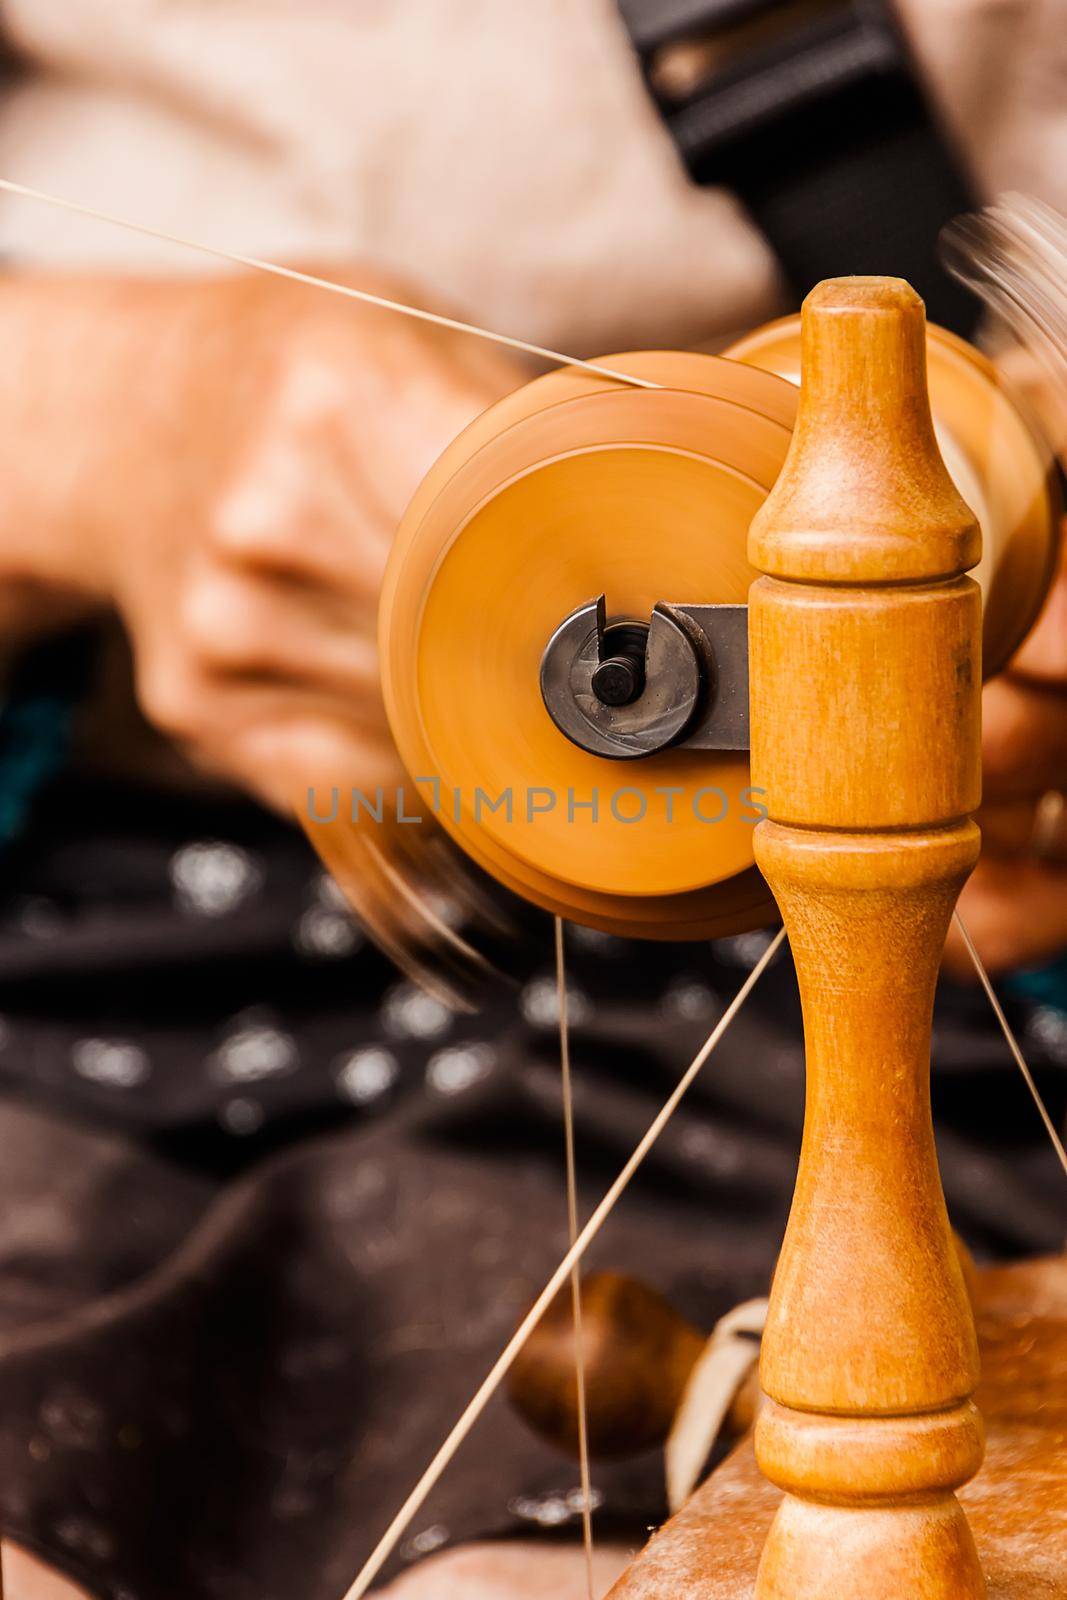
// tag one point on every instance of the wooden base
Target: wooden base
(1016, 1506)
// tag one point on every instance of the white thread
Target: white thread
(256, 265)
(499, 1370)
(1013, 1045)
(576, 1271)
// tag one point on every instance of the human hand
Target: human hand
(27, 1577)
(510, 1570)
(234, 458)
(307, 424)
(1015, 903)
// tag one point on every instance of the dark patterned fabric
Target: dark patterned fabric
(267, 1213)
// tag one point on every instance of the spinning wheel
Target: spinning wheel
(574, 488)
(570, 488)
(678, 488)
(865, 638)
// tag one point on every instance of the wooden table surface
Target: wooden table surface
(1017, 1505)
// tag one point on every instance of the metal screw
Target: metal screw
(619, 679)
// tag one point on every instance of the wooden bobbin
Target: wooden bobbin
(865, 680)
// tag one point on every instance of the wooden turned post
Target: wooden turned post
(865, 681)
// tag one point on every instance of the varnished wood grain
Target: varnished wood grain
(1017, 1504)
(865, 682)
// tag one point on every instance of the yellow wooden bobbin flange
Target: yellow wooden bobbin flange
(575, 486)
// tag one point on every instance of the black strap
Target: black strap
(824, 132)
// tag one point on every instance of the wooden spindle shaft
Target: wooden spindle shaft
(865, 680)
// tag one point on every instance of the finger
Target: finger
(290, 514)
(277, 629)
(1016, 913)
(295, 759)
(1008, 827)
(1024, 738)
(228, 725)
(1043, 655)
(326, 477)
(27, 1577)
(1037, 829)
(1049, 838)
(523, 1570)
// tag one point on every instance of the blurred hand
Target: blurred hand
(308, 423)
(26, 1577)
(510, 1570)
(243, 451)
(1015, 904)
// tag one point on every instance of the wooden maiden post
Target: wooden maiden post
(865, 681)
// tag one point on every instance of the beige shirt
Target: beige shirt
(500, 153)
